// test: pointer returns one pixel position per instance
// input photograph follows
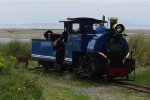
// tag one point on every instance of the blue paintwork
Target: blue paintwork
(101, 30)
(96, 44)
(43, 48)
(77, 43)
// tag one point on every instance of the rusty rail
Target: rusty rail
(136, 87)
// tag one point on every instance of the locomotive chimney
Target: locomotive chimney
(113, 20)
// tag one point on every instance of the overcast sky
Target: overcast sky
(51, 11)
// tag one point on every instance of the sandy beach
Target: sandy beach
(38, 33)
(25, 33)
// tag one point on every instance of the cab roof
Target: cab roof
(83, 19)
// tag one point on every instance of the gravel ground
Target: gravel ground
(98, 91)
(111, 93)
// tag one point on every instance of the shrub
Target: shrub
(18, 84)
(16, 48)
(141, 48)
(2, 64)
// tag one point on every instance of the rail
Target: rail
(139, 88)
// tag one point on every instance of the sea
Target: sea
(5, 40)
(33, 26)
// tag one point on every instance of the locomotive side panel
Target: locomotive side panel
(77, 43)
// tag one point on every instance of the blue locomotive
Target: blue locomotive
(87, 47)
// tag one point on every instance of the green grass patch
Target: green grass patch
(16, 48)
(18, 84)
(142, 76)
(137, 96)
(141, 48)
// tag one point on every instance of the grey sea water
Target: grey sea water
(4, 40)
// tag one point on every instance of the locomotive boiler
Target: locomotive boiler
(86, 46)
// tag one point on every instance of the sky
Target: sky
(51, 11)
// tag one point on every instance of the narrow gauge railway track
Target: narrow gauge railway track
(136, 87)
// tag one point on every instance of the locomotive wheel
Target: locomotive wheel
(96, 68)
(93, 74)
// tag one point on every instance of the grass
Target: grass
(15, 82)
(141, 52)
(141, 48)
(16, 48)
(21, 84)
(142, 76)
(139, 96)
(18, 84)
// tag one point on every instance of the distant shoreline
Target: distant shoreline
(38, 33)
(60, 28)
(56, 26)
